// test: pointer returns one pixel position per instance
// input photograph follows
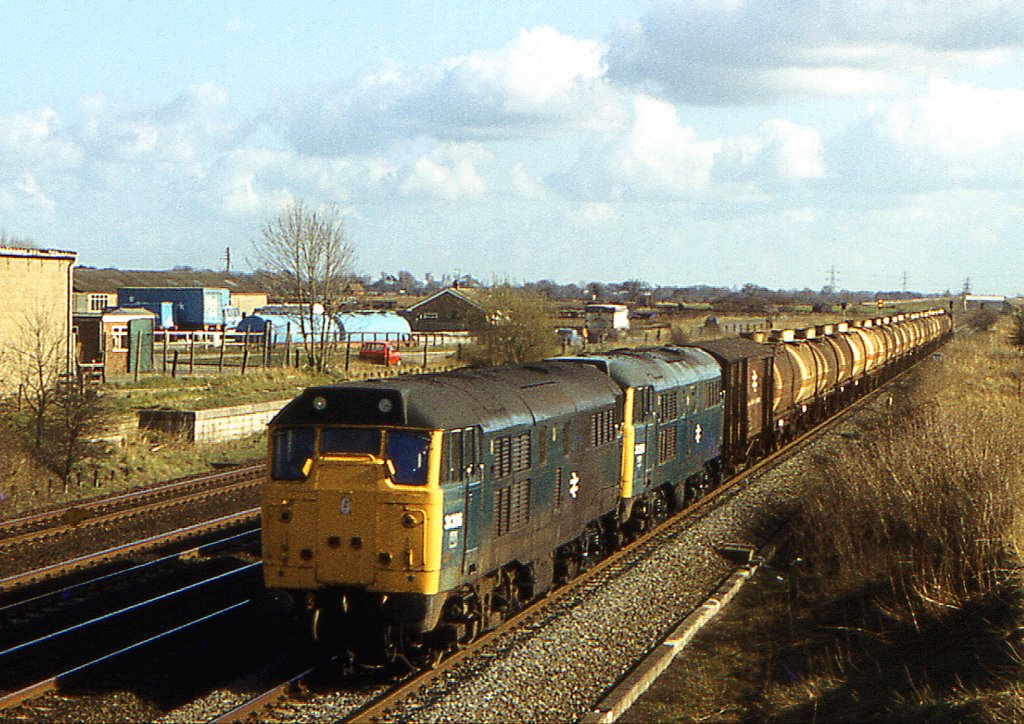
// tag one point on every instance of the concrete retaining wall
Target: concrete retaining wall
(216, 425)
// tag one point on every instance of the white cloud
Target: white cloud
(36, 139)
(541, 83)
(449, 172)
(524, 185)
(191, 129)
(591, 214)
(750, 52)
(660, 157)
(952, 135)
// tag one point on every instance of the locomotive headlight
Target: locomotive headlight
(319, 403)
(385, 405)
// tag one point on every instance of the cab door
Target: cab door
(473, 472)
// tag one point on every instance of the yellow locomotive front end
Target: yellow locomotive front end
(338, 517)
(351, 516)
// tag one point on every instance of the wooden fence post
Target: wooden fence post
(174, 365)
(192, 353)
(245, 358)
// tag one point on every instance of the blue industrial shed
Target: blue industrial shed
(353, 326)
(374, 326)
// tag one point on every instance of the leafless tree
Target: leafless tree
(306, 252)
(38, 360)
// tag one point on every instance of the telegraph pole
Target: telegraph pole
(227, 260)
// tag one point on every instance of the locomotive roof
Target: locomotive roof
(494, 398)
(657, 367)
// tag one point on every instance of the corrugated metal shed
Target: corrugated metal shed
(356, 326)
(283, 326)
(374, 326)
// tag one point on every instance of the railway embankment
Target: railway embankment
(897, 593)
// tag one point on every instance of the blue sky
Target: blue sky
(713, 141)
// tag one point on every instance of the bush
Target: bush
(519, 328)
(983, 319)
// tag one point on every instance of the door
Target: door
(140, 345)
(473, 471)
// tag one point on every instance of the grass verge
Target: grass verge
(898, 595)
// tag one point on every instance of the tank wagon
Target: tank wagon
(405, 515)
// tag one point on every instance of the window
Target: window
(691, 399)
(119, 336)
(292, 447)
(666, 444)
(349, 440)
(542, 446)
(712, 393)
(668, 405)
(458, 456)
(97, 302)
(602, 427)
(408, 452)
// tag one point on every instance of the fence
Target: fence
(186, 351)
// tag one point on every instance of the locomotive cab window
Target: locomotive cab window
(349, 440)
(408, 452)
(292, 447)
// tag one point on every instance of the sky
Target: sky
(718, 142)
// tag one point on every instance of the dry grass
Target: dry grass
(898, 596)
(909, 587)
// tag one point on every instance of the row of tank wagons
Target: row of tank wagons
(817, 368)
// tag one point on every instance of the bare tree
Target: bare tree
(311, 261)
(39, 360)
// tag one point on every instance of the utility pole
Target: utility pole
(227, 260)
(967, 285)
(904, 281)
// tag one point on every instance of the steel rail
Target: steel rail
(82, 561)
(61, 514)
(52, 683)
(105, 518)
(260, 702)
(7, 609)
(127, 609)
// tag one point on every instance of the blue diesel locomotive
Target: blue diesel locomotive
(407, 514)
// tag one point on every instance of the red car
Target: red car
(380, 352)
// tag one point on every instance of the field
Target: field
(897, 595)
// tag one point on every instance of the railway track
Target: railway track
(57, 542)
(31, 528)
(383, 702)
(61, 636)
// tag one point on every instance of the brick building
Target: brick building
(35, 311)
